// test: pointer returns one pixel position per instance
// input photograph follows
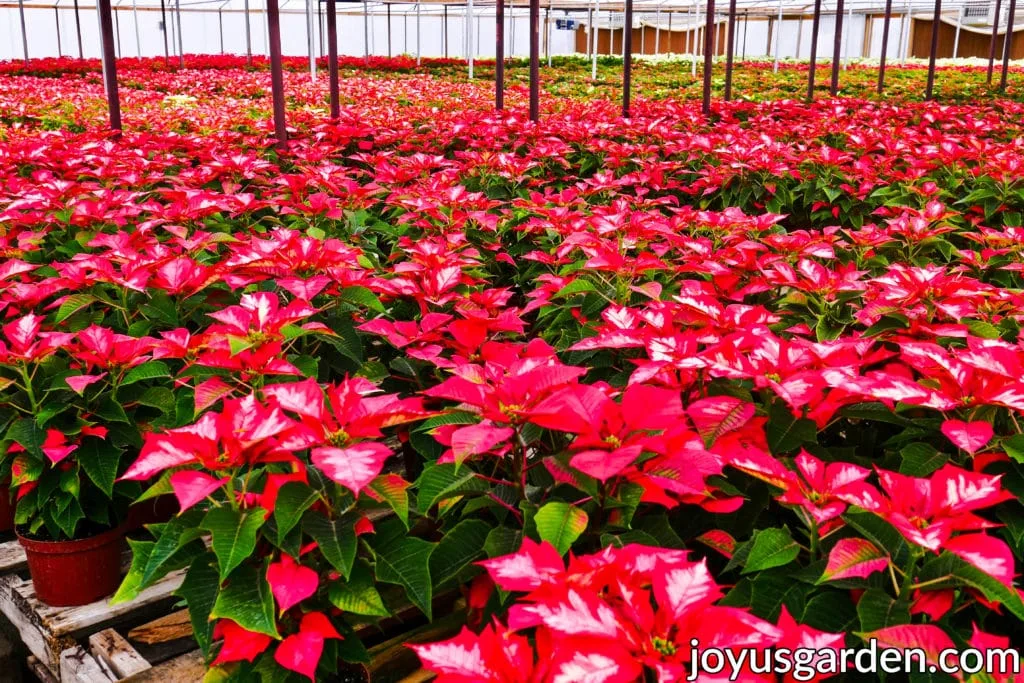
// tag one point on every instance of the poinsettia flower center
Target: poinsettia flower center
(256, 337)
(511, 411)
(663, 646)
(338, 438)
(613, 441)
(816, 497)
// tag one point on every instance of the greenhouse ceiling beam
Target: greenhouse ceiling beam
(760, 10)
(643, 7)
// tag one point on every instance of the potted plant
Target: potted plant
(74, 404)
(281, 487)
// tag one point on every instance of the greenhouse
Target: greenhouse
(148, 28)
(511, 341)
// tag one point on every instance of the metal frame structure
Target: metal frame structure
(774, 13)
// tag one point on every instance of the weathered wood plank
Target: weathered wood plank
(60, 621)
(12, 557)
(78, 666)
(171, 627)
(108, 646)
(48, 631)
(40, 670)
(188, 668)
(39, 642)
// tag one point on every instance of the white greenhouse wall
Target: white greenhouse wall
(202, 32)
(210, 33)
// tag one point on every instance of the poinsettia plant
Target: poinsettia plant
(283, 485)
(76, 405)
(765, 365)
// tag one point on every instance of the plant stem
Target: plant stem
(28, 389)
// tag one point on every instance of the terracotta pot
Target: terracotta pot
(77, 572)
(6, 507)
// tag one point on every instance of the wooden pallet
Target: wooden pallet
(103, 643)
(162, 650)
(48, 631)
